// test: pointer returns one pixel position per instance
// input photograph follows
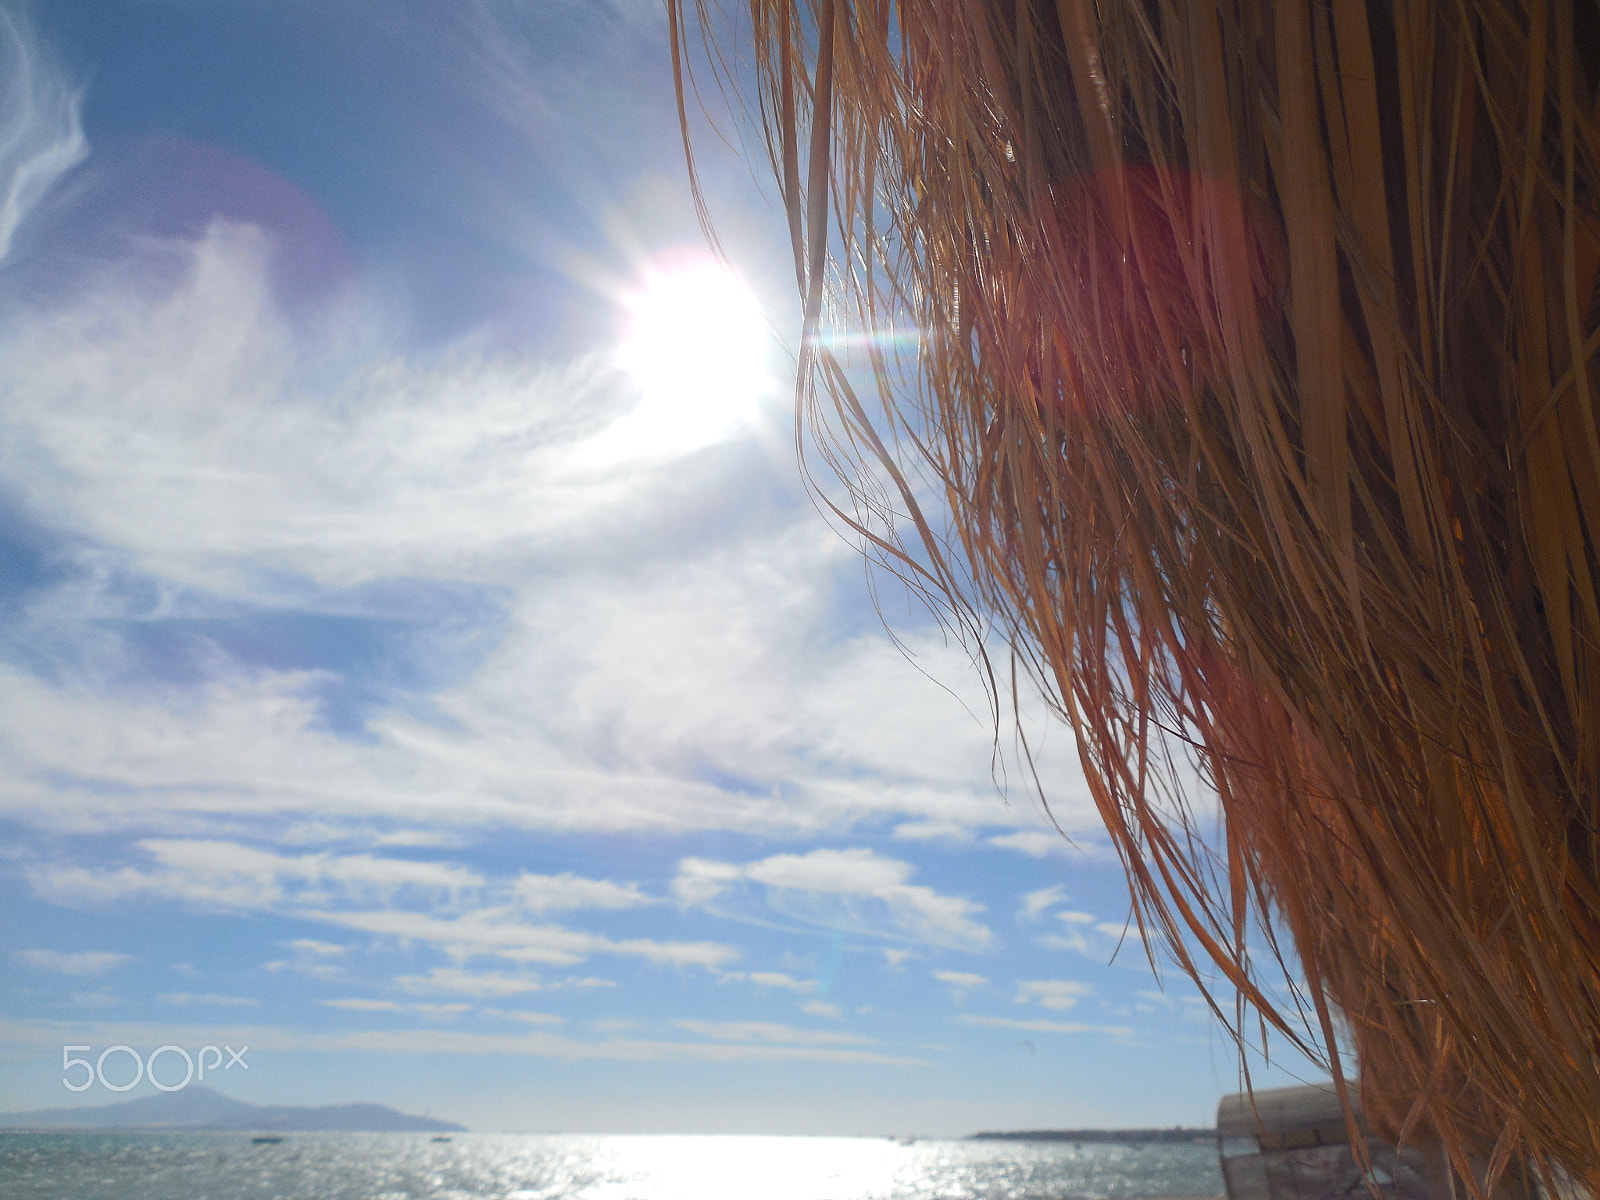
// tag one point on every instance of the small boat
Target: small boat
(267, 1139)
(441, 1138)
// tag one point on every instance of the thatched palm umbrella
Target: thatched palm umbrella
(1258, 373)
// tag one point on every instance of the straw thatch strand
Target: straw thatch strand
(1258, 375)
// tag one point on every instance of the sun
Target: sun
(695, 344)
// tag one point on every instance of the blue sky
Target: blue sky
(415, 666)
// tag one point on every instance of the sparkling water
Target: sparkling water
(228, 1166)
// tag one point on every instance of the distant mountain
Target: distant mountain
(200, 1108)
(1175, 1134)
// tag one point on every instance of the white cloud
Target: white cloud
(960, 979)
(187, 998)
(1193, 1009)
(472, 983)
(645, 646)
(40, 135)
(1032, 843)
(852, 872)
(866, 713)
(230, 875)
(701, 880)
(312, 958)
(822, 885)
(177, 400)
(779, 979)
(529, 1018)
(548, 893)
(603, 741)
(1044, 1026)
(766, 1031)
(1052, 993)
(314, 947)
(1127, 931)
(775, 979)
(1079, 918)
(1035, 903)
(417, 837)
(358, 1005)
(497, 932)
(1071, 940)
(821, 1008)
(533, 1044)
(447, 1011)
(86, 962)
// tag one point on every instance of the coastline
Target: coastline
(1177, 1134)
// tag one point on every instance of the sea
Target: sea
(388, 1166)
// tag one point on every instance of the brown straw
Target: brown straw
(1257, 371)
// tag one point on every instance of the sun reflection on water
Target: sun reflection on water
(738, 1168)
(571, 1167)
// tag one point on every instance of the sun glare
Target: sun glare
(696, 346)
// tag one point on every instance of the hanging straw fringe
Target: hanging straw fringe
(1258, 372)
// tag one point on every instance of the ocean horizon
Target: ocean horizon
(116, 1165)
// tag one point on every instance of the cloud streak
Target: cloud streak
(853, 888)
(83, 963)
(1060, 994)
(500, 934)
(230, 875)
(534, 1044)
(41, 137)
(1043, 1026)
(550, 893)
(766, 1031)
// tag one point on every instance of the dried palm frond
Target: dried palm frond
(1258, 371)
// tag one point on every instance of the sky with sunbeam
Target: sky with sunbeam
(421, 661)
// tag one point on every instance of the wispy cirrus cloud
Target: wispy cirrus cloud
(1034, 843)
(317, 949)
(1058, 994)
(499, 933)
(1072, 940)
(535, 1043)
(772, 979)
(233, 875)
(211, 999)
(41, 137)
(437, 516)
(474, 983)
(83, 962)
(549, 893)
(1040, 901)
(527, 1018)
(358, 1004)
(1043, 1026)
(853, 888)
(767, 1031)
